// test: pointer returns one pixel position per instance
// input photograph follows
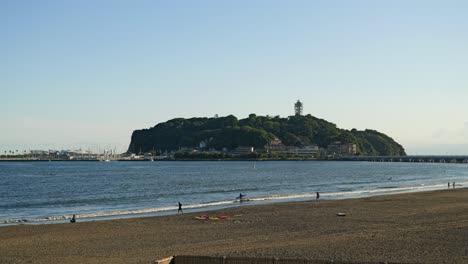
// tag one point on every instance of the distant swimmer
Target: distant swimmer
(180, 208)
(317, 196)
(73, 220)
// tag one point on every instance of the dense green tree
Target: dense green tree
(257, 131)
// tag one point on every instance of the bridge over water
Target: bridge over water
(409, 158)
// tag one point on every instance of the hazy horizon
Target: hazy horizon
(87, 74)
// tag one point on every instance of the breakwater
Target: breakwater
(410, 158)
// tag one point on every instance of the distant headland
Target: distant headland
(260, 137)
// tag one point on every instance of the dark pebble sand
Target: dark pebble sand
(427, 227)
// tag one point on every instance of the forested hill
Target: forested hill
(257, 131)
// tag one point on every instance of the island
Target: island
(260, 138)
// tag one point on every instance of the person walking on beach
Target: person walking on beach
(180, 209)
(73, 220)
(317, 196)
(453, 185)
(448, 185)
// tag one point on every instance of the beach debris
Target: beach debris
(341, 214)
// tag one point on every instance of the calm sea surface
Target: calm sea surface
(50, 192)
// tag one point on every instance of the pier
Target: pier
(409, 158)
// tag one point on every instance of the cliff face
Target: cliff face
(257, 131)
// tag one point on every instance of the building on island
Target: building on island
(345, 149)
(276, 146)
(298, 108)
(307, 150)
(203, 144)
(276, 141)
(241, 150)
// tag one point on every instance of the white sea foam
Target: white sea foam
(271, 198)
(284, 197)
(378, 191)
(117, 213)
(356, 193)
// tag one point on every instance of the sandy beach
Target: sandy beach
(427, 227)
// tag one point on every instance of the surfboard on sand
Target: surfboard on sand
(205, 217)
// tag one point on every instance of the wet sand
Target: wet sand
(428, 227)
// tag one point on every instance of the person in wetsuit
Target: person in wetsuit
(180, 209)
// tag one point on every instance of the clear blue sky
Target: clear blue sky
(81, 73)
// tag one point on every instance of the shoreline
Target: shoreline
(419, 227)
(219, 205)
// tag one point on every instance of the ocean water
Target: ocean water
(50, 192)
